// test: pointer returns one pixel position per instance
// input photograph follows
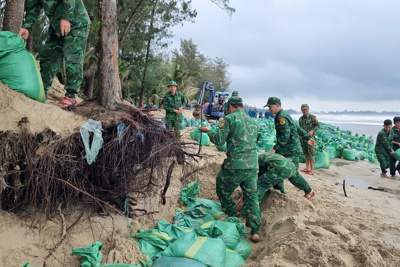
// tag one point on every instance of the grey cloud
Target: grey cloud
(332, 49)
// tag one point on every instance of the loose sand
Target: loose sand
(362, 229)
(14, 106)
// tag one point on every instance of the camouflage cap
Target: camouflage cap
(172, 83)
(235, 93)
(235, 101)
(304, 106)
(273, 101)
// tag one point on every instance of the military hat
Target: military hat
(171, 83)
(235, 101)
(304, 106)
(235, 93)
(273, 101)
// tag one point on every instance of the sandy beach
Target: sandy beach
(331, 229)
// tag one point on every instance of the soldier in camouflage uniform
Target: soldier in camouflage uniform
(173, 104)
(234, 94)
(309, 123)
(396, 145)
(69, 23)
(383, 146)
(240, 167)
(287, 139)
(273, 170)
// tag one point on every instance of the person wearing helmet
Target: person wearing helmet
(173, 104)
(240, 167)
(384, 148)
(234, 94)
(287, 137)
(308, 123)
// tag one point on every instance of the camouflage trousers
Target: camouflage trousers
(393, 167)
(174, 124)
(274, 177)
(309, 151)
(71, 48)
(384, 160)
(297, 180)
(227, 181)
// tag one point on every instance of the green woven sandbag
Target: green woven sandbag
(360, 155)
(372, 158)
(176, 262)
(349, 154)
(194, 123)
(227, 231)
(187, 120)
(324, 136)
(268, 146)
(173, 230)
(189, 194)
(362, 138)
(371, 148)
(193, 217)
(18, 67)
(206, 250)
(339, 152)
(216, 210)
(331, 152)
(183, 125)
(152, 241)
(243, 248)
(222, 148)
(194, 134)
(91, 255)
(233, 259)
(397, 154)
(205, 139)
(321, 160)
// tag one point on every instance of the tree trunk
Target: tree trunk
(13, 15)
(29, 42)
(147, 54)
(89, 82)
(109, 82)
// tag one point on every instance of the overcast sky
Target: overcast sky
(331, 54)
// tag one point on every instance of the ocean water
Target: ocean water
(361, 124)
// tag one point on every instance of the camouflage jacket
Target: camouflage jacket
(309, 122)
(396, 137)
(172, 102)
(72, 10)
(239, 132)
(287, 134)
(275, 163)
(384, 141)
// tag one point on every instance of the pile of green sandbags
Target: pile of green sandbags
(197, 135)
(194, 238)
(343, 144)
(196, 235)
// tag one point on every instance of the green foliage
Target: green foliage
(146, 26)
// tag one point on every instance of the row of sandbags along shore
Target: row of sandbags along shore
(330, 142)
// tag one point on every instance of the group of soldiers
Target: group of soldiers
(254, 173)
(387, 142)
